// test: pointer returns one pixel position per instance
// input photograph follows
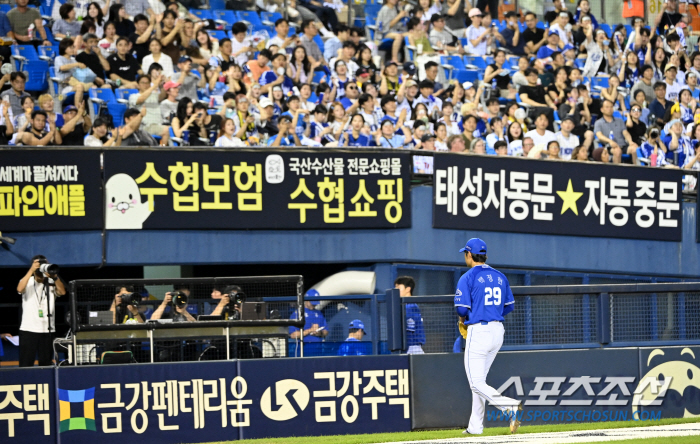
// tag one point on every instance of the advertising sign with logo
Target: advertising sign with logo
(568, 198)
(27, 406)
(256, 190)
(206, 401)
(42, 190)
(568, 386)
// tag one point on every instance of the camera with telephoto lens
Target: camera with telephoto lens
(236, 297)
(132, 299)
(47, 268)
(179, 299)
(654, 133)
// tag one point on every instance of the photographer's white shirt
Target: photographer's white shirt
(34, 299)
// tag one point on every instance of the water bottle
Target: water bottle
(30, 32)
(611, 136)
(494, 83)
(377, 34)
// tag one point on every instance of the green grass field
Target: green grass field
(457, 433)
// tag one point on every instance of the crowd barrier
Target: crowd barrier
(242, 399)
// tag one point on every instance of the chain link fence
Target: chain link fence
(655, 317)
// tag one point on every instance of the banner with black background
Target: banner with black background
(50, 190)
(550, 197)
(256, 190)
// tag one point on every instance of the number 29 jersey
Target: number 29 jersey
(486, 292)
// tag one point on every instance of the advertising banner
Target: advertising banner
(50, 190)
(550, 197)
(256, 190)
(205, 401)
(563, 386)
(28, 406)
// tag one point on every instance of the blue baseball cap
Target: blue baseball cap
(357, 324)
(474, 246)
(313, 293)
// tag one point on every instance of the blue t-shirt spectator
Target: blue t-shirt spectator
(5, 27)
(415, 335)
(355, 347)
(311, 317)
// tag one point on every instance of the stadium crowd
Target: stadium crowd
(441, 76)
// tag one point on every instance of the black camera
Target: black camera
(133, 299)
(654, 133)
(179, 299)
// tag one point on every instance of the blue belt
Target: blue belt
(483, 322)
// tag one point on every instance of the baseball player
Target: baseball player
(483, 297)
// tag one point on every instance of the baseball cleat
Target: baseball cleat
(514, 420)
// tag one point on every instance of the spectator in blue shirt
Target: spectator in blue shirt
(353, 345)
(552, 46)
(315, 326)
(286, 135)
(332, 45)
(415, 335)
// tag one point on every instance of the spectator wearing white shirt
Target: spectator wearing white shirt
(156, 56)
(281, 39)
(228, 138)
(540, 136)
(241, 48)
(673, 88)
(563, 28)
(479, 38)
(567, 140)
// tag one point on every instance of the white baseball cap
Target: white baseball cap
(265, 102)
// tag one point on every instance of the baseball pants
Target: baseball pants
(482, 343)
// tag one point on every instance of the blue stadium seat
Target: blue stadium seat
(104, 98)
(252, 19)
(580, 63)
(25, 58)
(468, 75)
(605, 27)
(122, 94)
(618, 114)
(473, 62)
(48, 53)
(225, 18)
(203, 14)
(598, 83)
(218, 35)
(541, 25)
(451, 65)
(269, 18)
(6, 8)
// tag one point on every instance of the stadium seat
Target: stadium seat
(25, 58)
(605, 27)
(203, 14)
(269, 18)
(475, 62)
(122, 94)
(104, 98)
(218, 35)
(580, 63)
(468, 75)
(599, 83)
(6, 8)
(226, 18)
(451, 64)
(48, 53)
(541, 25)
(252, 19)
(318, 76)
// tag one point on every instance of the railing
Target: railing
(576, 316)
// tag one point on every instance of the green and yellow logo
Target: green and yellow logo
(77, 409)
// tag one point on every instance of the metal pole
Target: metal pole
(228, 343)
(286, 14)
(150, 338)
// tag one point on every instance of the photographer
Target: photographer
(177, 301)
(39, 290)
(123, 310)
(230, 311)
(653, 150)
